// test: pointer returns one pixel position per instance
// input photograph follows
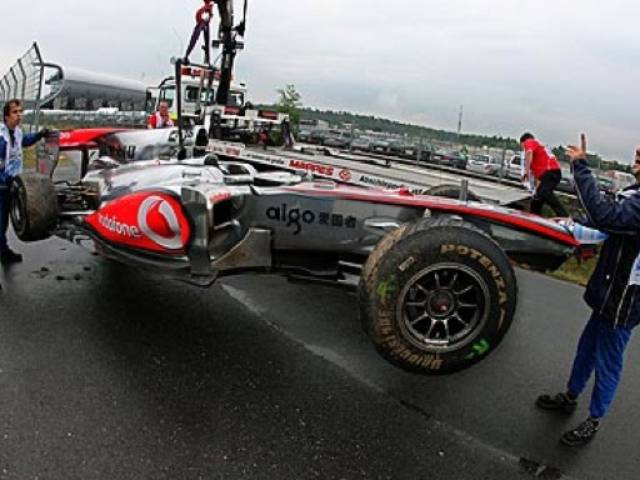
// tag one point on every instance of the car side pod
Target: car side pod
(195, 204)
(252, 253)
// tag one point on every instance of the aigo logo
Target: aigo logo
(151, 221)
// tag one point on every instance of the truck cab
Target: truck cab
(195, 92)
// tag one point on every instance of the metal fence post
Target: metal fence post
(464, 190)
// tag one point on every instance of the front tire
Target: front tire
(437, 296)
(33, 206)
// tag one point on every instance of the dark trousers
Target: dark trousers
(544, 194)
(4, 216)
(600, 350)
(200, 28)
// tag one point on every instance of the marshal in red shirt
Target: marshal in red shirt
(542, 160)
(207, 8)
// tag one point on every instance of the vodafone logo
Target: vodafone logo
(113, 225)
(148, 221)
(345, 175)
(159, 222)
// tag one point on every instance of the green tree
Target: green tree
(289, 103)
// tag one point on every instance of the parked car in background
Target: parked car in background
(318, 136)
(380, 146)
(335, 141)
(304, 136)
(403, 149)
(456, 159)
(485, 164)
(566, 185)
(362, 144)
(607, 185)
(623, 180)
(513, 168)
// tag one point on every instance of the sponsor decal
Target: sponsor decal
(220, 197)
(395, 344)
(232, 152)
(268, 114)
(147, 221)
(345, 175)
(386, 288)
(266, 159)
(493, 270)
(384, 183)
(163, 227)
(296, 218)
(312, 167)
(479, 349)
(114, 226)
(378, 182)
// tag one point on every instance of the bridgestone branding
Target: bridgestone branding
(489, 266)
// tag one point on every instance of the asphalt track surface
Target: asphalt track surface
(111, 373)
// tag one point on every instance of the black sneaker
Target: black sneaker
(582, 434)
(9, 256)
(560, 402)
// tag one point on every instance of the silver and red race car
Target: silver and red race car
(436, 287)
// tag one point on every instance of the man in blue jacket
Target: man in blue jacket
(12, 140)
(612, 293)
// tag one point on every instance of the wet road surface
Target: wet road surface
(106, 372)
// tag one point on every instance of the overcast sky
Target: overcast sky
(552, 67)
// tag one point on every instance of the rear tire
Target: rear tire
(437, 296)
(33, 206)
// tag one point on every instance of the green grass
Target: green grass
(29, 158)
(575, 271)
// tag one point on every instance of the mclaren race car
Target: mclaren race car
(434, 276)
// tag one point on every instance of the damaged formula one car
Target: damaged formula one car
(436, 286)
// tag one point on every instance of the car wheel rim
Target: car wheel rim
(443, 307)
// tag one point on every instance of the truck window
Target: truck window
(167, 94)
(236, 99)
(191, 94)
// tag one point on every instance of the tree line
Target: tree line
(289, 102)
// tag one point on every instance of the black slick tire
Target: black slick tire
(33, 206)
(437, 296)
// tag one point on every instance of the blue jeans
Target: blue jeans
(4, 216)
(600, 349)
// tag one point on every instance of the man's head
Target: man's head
(526, 136)
(635, 168)
(12, 113)
(163, 108)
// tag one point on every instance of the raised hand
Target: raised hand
(578, 153)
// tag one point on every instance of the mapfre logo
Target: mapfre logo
(148, 221)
